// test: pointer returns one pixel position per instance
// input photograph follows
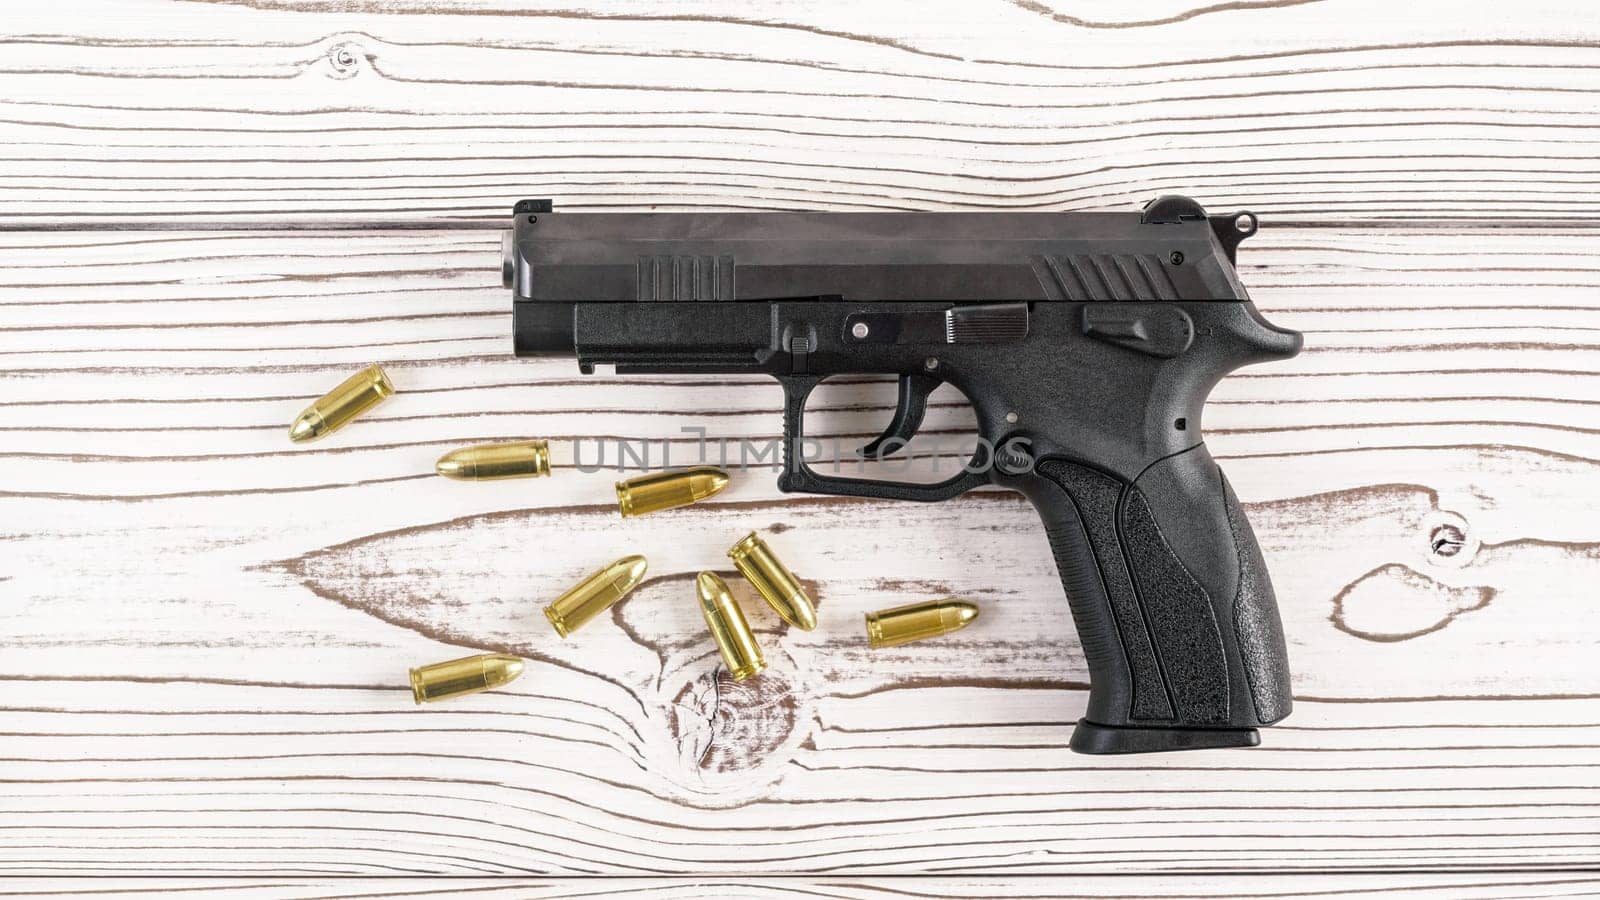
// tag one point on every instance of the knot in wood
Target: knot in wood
(345, 59)
(1447, 540)
(735, 726)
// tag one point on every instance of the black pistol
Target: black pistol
(1087, 344)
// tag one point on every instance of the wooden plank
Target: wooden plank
(208, 627)
(147, 112)
(1308, 887)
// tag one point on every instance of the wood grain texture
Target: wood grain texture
(1324, 887)
(293, 111)
(208, 627)
(212, 211)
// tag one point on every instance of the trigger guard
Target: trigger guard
(798, 477)
(801, 478)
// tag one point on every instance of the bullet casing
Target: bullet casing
(359, 393)
(467, 675)
(595, 594)
(916, 621)
(492, 462)
(728, 627)
(667, 490)
(773, 581)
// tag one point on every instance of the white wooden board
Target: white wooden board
(1486, 887)
(286, 111)
(204, 630)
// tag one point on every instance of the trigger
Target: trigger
(910, 407)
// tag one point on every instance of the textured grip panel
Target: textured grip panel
(1256, 621)
(1094, 495)
(1097, 633)
(1172, 601)
(1192, 656)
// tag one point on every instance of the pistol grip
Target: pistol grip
(1172, 604)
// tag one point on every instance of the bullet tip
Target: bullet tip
(509, 667)
(716, 480)
(631, 569)
(451, 466)
(308, 427)
(805, 616)
(962, 613)
(711, 588)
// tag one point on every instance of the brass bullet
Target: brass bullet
(595, 594)
(490, 462)
(359, 393)
(773, 581)
(931, 618)
(666, 490)
(467, 675)
(728, 627)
